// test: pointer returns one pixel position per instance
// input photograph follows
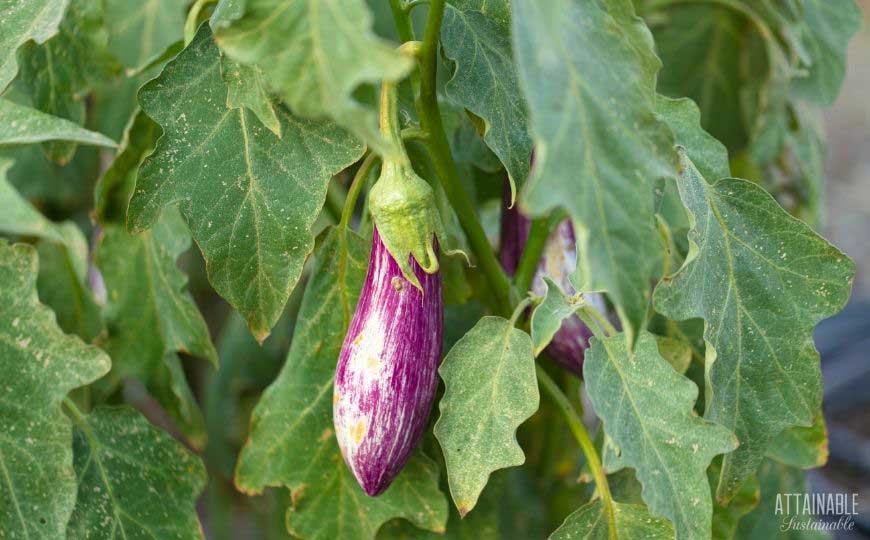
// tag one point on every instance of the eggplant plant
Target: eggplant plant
(274, 267)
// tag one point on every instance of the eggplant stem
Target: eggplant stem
(439, 149)
(356, 186)
(575, 424)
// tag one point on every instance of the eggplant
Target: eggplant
(386, 377)
(558, 262)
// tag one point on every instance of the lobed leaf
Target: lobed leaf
(761, 280)
(134, 481)
(827, 27)
(21, 21)
(588, 73)
(151, 317)
(249, 197)
(40, 366)
(646, 408)
(476, 37)
(314, 54)
(548, 316)
(490, 389)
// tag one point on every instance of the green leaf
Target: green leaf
(632, 521)
(141, 29)
(61, 71)
(292, 442)
(134, 481)
(677, 353)
(764, 522)
(683, 117)
(827, 27)
(63, 288)
(24, 125)
(646, 408)
(115, 186)
(548, 316)
(589, 81)
(63, 261)
(40, 365)
(246, 88)
(151, 317)
(701, 47)
(490, 389)
(727, 518)
(315, 55)
(476, 36)
(249, 198)
(21, 21)
(19, 217)
(802, 447)
(761, 280)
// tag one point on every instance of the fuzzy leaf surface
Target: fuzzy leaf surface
(548, 316)
(141, 29)
(589, 78)
(134, 481)
(761, 280)
(151, 317)
(60, 72)
(40, 365)
(476, 36)
(249, 197)
(23, 125)
(827, 27)
(632, 521)
(23, 20)
(314, 55)
(490, 389)
(646, 408)
(292, 442)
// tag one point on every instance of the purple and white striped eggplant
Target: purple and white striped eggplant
(386, 377)
(558, 262)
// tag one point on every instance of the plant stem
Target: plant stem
(597, 323)
(439, 149)
(521, 306)
(582, 436)
(406, 32)
(356, 186)
(537, 240)
(192, 18)
(334, 201)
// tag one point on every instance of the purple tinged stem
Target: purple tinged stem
(386, 376)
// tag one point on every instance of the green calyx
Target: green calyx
(404, 211)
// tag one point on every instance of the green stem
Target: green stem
(405, 29)
(334, 201)
(534, 248)
(439, 149)
(356, 186)
(414, 3)
(597, 323)
(521, 306)
(193, 18)
(582, 436)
